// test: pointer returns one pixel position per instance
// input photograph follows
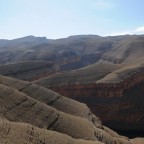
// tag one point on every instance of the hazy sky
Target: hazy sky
(62, 18)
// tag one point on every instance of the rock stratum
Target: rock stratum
(33, 114)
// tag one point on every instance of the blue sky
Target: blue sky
(62, 18)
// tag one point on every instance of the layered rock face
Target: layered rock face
(33, 114)
(116, 98)
(105, 88)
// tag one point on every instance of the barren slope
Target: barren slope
(20, 103)
(22, 133)
(85, 75)
(29, 70)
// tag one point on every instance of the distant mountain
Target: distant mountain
(3, 42)
(73, 52)
(30, 39)
(26, 40)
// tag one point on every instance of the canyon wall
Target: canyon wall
(113, 89)
(118, 103)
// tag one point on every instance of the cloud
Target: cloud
(103, 5)
(138, 30)
(119, 33)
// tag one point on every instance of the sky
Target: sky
(62, 18)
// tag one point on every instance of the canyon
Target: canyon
(105, 74)
(116, 98)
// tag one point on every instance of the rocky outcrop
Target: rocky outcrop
(30, 112)
(51, 98)
(22, 133)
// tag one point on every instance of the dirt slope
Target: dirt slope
(22, 133)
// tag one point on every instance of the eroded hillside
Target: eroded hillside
(44, 115)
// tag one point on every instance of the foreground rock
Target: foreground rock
(137, 141)
(21, 133)
(20, 103)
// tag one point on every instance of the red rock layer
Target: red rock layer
(101, 89)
